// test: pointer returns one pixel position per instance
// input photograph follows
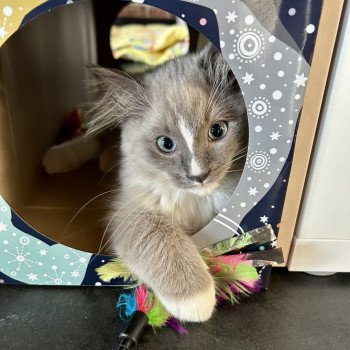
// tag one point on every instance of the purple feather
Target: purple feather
(175, 324)
(251, 287)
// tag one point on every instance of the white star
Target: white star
(275, 136)
(2, 226)
(264, 219)
(252, 191)
(32, 276)
(300, 80)
(231, 16)
(75, 274)
(248, 78)
(42, 252)
(3, 33)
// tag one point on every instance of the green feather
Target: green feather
(241, 271)
(245, 272)
(114, 269)
(233, 276)
(157, 316)
(230, 244)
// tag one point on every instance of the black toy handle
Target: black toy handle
(133, 332)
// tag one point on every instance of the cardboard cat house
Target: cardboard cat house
(280, 53)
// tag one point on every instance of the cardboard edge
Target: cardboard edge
(316, 89)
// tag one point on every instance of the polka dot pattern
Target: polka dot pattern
(249, 49)
(273, 78)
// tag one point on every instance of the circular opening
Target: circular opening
(196, 103)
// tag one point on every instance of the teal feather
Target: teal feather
(126, 305)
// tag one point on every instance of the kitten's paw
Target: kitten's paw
(195, 308)
(59, 159)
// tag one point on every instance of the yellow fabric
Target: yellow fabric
(152, 44)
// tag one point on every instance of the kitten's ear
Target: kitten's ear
(217, 69)
(220, 77)
(209, 54)
(119, 98)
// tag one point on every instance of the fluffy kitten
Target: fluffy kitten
(183, 134)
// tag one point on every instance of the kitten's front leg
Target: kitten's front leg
(164, 258)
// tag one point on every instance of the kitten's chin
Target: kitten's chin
(205, 188)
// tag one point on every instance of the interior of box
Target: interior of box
(42, 82)
(43, 78)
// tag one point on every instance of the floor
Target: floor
(299, 311)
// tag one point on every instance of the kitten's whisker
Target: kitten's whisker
(110, 221)
(84, 206)
(238, 158)
(234, 170)
(111, 237)
(108, 171)
(124, 218)
(244, 149)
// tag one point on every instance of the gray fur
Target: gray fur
(159, 207)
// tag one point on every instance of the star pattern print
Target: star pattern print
(32, 277)
(11, 16)
(248, 78)
(2, 226)
(42, 252)
(271, 75)
(75, 273)
(300, 80)
(275, 136)
(231, 17)
(253, 191)
(29, 260)
(3, 33)
(264, 219)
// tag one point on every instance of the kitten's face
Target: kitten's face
(183, 124)
(191, 132)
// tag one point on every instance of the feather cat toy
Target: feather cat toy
(233, 263)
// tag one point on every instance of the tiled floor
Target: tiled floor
(298, 312)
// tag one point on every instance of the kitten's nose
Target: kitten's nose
(199, 178)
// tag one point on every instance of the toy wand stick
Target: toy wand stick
(134, 330)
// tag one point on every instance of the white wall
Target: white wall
(322, 241)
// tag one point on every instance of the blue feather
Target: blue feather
(126, 305)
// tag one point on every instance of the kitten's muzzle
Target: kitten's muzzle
(199, 178)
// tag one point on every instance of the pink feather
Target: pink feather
(143, 304)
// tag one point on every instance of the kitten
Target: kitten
(183, 137)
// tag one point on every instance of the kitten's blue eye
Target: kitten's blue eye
(166, 144)
(218, 130)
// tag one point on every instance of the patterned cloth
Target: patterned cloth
(152, 44)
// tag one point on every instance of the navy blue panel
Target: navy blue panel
(271, 205)
(49, 5)
(24, 227)
(91, 277)
(4, 279)
(307, 12)
(193, 14)
(265, 273)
